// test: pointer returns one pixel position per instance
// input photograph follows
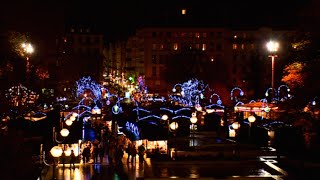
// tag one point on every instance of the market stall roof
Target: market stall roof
(256, 107)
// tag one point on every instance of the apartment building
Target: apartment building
(241, 53)
(79, 54)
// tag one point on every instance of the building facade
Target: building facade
(79, 54)
(240, 54)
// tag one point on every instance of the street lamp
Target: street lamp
(56, 152)
(193, 121)
(251, 120)
(236, 126)
(273, 47)
(28, 50)
(173, 127)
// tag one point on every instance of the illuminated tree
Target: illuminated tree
(86, 83)
(42, 73)
(15, 40)
(294, 74)
(191, 92)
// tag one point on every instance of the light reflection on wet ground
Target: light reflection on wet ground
(254, 169)
(263, 167)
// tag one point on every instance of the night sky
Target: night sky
(123, 16)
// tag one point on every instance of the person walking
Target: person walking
(141, 152)
(128, 151)
(86, 154)
(118, 155)
(101, 152)
(63, 158)
(133, 151)
(95, 153)
(72, 159)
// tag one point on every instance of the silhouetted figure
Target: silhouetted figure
(63, 158)
(133, 151)
(86, 154)
(72, 159)
(128, 151)
(101, 152)
(118, 155)
(141, 151)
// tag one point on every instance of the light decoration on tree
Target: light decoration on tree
(141, 84)
(232, 93)
(42, 73)
(19, 95)
(86, 83)
(191, 92)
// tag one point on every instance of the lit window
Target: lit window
(242, 46)
(161, 46)
(183, 11)
(204, 47)
(175, 46)
(234, 46)
(198, 35)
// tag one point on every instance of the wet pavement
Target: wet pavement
(261, 168)
(251, 164)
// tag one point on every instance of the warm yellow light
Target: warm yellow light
(209, 111)
(235, 125)
(56, 151)
(164, 117)
(67, 152)
(183, 11)
(69, 122)
(27, 47)
(174, 126)
(72, 118)
(193, 119)
(273, 46)
(64, 132)
(251, 119)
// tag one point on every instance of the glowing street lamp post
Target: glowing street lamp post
(56, 152)
(173, 127)
(272, 48)
(251, 120)
(193, 121)
(28, 50)
(236, 126)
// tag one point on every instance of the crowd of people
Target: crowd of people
(113, 148)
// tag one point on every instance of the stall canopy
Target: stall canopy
(263, 109)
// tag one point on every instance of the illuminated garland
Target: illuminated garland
(86, 83)
(133, 128)
(191, 92)
(20, 95)
(218, 101)
(232, 91)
